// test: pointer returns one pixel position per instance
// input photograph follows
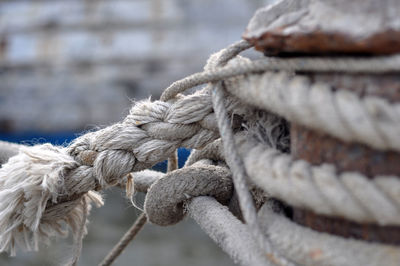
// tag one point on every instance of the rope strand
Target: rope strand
(124, 241)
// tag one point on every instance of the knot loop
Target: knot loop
(164, 204)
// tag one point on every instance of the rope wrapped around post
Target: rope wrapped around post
(44, 186)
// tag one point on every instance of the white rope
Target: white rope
(350, 194)
(227, 231)
(51, 180)
(369, 120)
(308, 247)
(374, 65)
(217, 221)
(239, 175)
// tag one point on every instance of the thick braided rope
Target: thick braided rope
(142, 219)
(149, 134)
(308, 247)
(350, 194)
(51, 180)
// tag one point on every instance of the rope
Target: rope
(212, 151)
(370, 120)
(377, 65)
(164, 203)
(231, 155)
(57, 184)
(142, 219)
(227, 231)
(350, 195)
(124, 241)
(239, 174)
(308, 247)
(216, 220)
(51, 180)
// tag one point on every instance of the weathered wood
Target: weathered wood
(346, 228)
(327, 26)
(318, 148)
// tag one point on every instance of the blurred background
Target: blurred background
(67, 66)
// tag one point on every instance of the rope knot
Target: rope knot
(164, 204)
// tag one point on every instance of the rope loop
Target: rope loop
(164, 204)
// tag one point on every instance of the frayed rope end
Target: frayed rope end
(28, 182)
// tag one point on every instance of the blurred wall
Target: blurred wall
(65, 64)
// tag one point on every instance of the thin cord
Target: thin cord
(137, 226)
(239, 176)
(124, 241)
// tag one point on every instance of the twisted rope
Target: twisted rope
(52, 180)
(350, 195)
(164, 203)
(308, 247)
(231, 156)
(376, 65)
(217, 221)
(239, 175)
(343, 114)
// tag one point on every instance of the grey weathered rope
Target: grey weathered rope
(212, 151)
(343, 114)
(165, 198)
(349, 194)
(374, 65)
(149, 134)
(239, 174)
(142, 219)
(142, 180)
(125, 240)
(152, 132)
(215, 61)
(308, 247)
(227, 231)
